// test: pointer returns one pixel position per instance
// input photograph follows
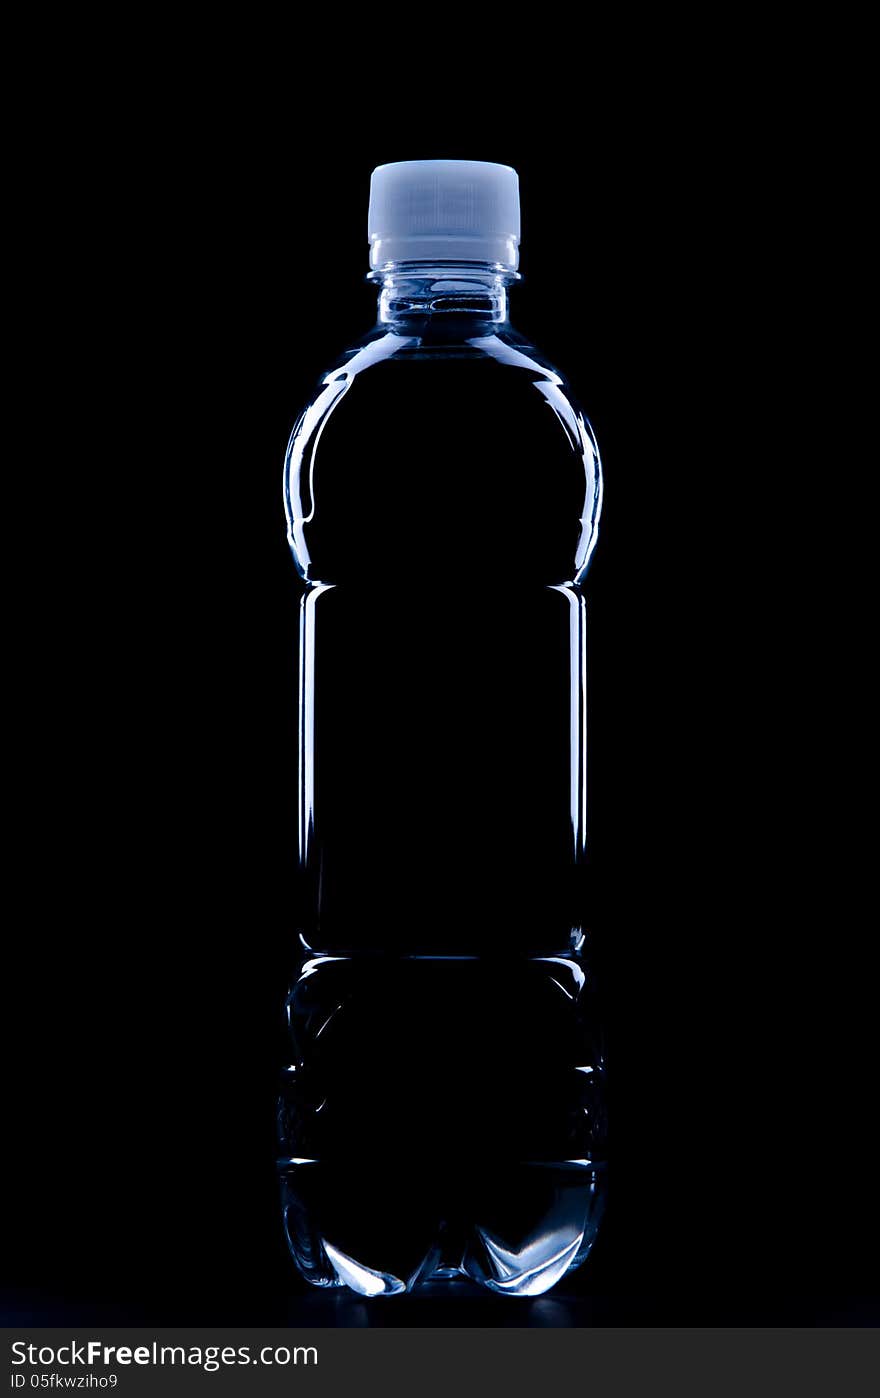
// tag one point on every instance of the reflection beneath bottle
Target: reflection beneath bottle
(349, 1311)
(441, 1304)
(547, 1313)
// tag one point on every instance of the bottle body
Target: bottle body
(442, 1113)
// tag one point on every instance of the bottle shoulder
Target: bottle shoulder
(482, 343)
(495, 348)
(471, 413)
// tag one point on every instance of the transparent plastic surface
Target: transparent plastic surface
(443, 1110)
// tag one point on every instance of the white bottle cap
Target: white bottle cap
(445, 211)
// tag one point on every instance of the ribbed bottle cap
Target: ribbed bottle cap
(444, 210)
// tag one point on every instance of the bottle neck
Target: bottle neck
(443, 293)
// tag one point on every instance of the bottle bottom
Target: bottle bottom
(442, 1117)
(514, 1229)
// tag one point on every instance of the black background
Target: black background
(198, 270)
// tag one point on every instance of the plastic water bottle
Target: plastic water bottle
(442, 1114)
